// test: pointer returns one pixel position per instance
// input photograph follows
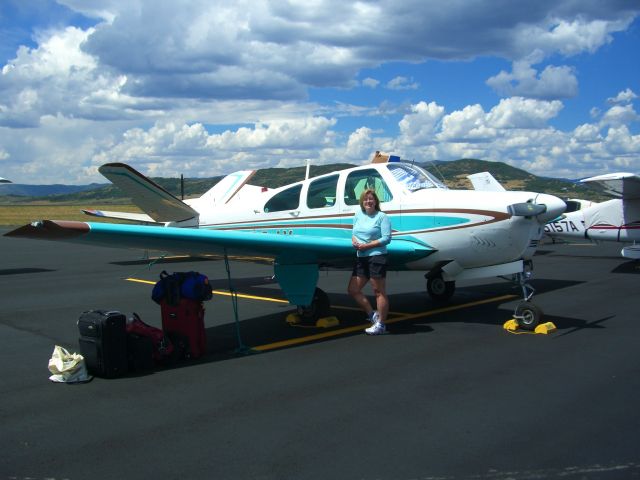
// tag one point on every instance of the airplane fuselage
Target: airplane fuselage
(474, 228)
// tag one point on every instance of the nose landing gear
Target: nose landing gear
(527, 314)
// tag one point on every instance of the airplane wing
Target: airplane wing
(485, 182)
(296, 257)
(4, 180)
(620, 185)
(150, 197)
(287, 248)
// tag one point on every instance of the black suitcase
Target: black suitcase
(103, 342)
(139, 353)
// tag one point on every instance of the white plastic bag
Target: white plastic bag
(67, 367)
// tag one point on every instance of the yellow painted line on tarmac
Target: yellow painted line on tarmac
(139, 280)
(250, 297)
(219, 292)
(401, 318)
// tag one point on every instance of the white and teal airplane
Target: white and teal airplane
(303, 227)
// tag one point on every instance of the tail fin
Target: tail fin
(150, 197)
(223, 191)
(485, 182)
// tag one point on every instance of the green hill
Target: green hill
(455, 174)
(452, 172)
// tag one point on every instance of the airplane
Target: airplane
(305, 226)
(615, 220)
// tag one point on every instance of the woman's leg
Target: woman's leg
(382, 301)
(356, 284)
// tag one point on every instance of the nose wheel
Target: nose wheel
(527, 314)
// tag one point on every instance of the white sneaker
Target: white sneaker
(376, 329)
(374, 317)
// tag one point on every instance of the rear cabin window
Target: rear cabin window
(322, 192)
(361, 180)
(288, 199)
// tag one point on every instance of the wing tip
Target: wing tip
(50, 229)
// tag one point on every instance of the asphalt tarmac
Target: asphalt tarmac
(446, 394)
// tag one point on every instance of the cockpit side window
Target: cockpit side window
(322, 192)
(288, 199)
(361, 180)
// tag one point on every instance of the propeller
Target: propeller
(543, 207)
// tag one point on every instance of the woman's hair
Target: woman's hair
(375, 197)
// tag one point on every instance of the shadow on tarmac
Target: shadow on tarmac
(16, 271)
(236, 339)
(632, 267)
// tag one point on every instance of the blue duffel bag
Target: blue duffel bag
(173, 286)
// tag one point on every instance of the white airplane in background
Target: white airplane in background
(616, 220)
(449, 234)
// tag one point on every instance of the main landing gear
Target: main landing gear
(318, 309)
(439, 290)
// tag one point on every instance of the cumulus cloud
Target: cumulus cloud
(359, 144)
(620, 115)
(370, 82)
(516, 131)
(467, 125)
(204, 153)
(552, 83)
(569, 36)
(518, 112)
(402, 83)
(626, 96)
(419, 126)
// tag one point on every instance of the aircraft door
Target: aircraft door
(282, 213)
(320, 206)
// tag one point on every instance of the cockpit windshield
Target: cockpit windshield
(413, 177)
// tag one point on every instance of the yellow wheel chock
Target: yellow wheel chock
(542, 329)
(294, 319)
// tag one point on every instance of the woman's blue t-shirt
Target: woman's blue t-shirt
(367, 228)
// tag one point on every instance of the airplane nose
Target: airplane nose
(555, 207)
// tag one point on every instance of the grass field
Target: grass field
(15, 215)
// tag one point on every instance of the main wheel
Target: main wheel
(319, 307)
(528, 315)
(438, 289)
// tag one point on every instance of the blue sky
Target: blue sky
(207, 87)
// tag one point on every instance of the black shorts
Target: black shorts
(374, 266)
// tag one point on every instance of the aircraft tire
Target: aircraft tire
(319, 307)
(528, 315)
(438, 289)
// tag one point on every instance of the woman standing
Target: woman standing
(370, 236)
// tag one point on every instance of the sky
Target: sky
(209, 87)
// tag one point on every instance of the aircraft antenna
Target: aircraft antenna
(306, 175)
(181, 186)
(438, 171)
